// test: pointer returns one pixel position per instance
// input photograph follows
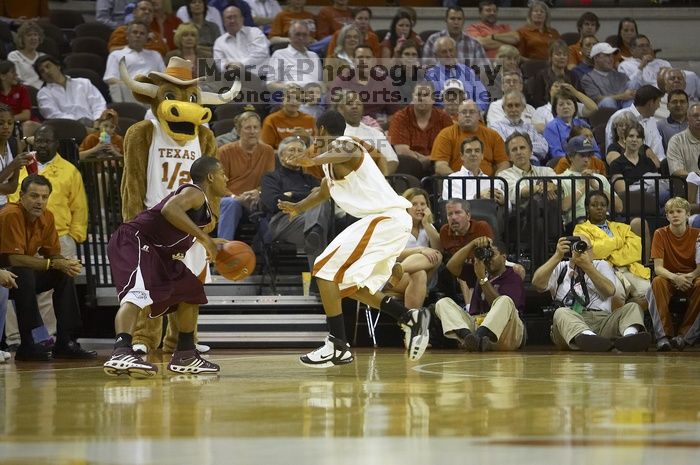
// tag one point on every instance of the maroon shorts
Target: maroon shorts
(149, 277)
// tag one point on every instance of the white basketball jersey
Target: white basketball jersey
(169, 165)
(364, 191)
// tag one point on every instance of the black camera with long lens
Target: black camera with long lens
(577, 245)
(485, 254)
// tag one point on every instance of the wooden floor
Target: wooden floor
(450, 407)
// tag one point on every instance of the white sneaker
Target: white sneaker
(202, 349)
(140, 349)
(420, 321)
(4, 356)
(333, 352)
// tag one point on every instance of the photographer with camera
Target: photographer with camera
(493, 320)
(582, 289)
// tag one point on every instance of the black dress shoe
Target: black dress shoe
(593, 343)
(33, 353)
(72, 350)
(638, 342)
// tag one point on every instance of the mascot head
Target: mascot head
(175, 97)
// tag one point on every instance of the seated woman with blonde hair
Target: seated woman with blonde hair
(187, 42)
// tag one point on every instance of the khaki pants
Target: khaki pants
(568, 324)
(502, 320)
(628, 285)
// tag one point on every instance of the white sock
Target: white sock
(630, 331)
(588, 332)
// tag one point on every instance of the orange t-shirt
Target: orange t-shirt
(575, 56)
(278, 126)
(535, 44)
(371, 40)
(93, 139)
(118, 40)
(446, 147)
(404, 130)
(452, 242)
(331, 19)
(245, 171)
(19, 236)
(23, 8)
(678, 253)
(280, 25)
(596, 163)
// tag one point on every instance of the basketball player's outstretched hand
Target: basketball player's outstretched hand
(7, 279)
(289, 208)
(212, 248)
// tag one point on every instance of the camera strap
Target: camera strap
(573, 299)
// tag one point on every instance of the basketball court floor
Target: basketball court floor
(535, 407)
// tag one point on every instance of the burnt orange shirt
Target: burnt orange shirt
(331, 19)
(678, 253)
(245, 171)
(596, 164)
(535, 44)
(24, 8)
(447, 147)
(280, 25)
(451, 242)
(278, 126)
(20, 236)
(93, 139)
(575, 55)
(118, 40)
(404, 129)
(371, 40)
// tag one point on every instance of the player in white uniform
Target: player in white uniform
(360, 260)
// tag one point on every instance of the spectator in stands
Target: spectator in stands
(677, 268)
(646, 102)
(28, 228)
(564, 109)
(580, 150)
(16, 97)
(626, 32)
(332, 18)
(491, 35)
(469, 51)
(188, 48)
(607, 87)
(537, 34)
(446, 151)
(110, 12)
(143, 13)
(448, 68)
(264, 11)
(289, 183)
(313, 102)
(408, 71)
(206, 20)
(684, 147)
(288, 120)
(677, 121)
(297, 61)
(493, 320)
(596, 165)
(629, 168)
(139, 60)
(348, 38)
(544, 114)
(164, 21)
(508, 57)
(413, 129)
(29, 36)
(583, 288)
(617, 148)
(618, 244)
(668, 80)
(452, 97)
(421, 258)
(362, 17)
(103, 141)
(510, 81)
(294, 12)
(242, 5)
(537, 86)
(23, 10)
(245, 162)
(455, 187)
(585, 65)
(66, 97)
(240, 47)
(400, 30)
(587, 25)
(514, 104)
(642, 68)
(350, 106)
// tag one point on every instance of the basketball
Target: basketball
(235, 260)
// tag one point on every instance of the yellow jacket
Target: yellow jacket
(67, 201)
(623, 249)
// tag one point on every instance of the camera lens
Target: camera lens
(580, 246)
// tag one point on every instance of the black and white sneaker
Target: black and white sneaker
(333, 352)
(124, 361)
(190, 361)
(418, 324)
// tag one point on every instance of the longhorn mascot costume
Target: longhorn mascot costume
(157, 158)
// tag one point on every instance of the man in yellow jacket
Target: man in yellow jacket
(620, 246)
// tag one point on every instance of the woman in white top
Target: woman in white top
(421, 258)
(29, 37)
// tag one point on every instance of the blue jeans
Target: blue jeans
(230, 216)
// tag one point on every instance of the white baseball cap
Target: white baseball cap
(602, 47)
(453, 84)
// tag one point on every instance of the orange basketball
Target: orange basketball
(235, 260)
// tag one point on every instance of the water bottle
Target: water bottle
(105, 138)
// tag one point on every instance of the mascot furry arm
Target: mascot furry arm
(176, 102)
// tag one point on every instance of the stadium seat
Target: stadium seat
(401, 182)
(94, 29)
(89, 45)
(222, 126)
(131, 110)
(125, 123)
(601, 117)
(570, 37)
(68, 129)
(85, 60)
(66, 19)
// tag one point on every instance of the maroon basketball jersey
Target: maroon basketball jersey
(159, 233)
